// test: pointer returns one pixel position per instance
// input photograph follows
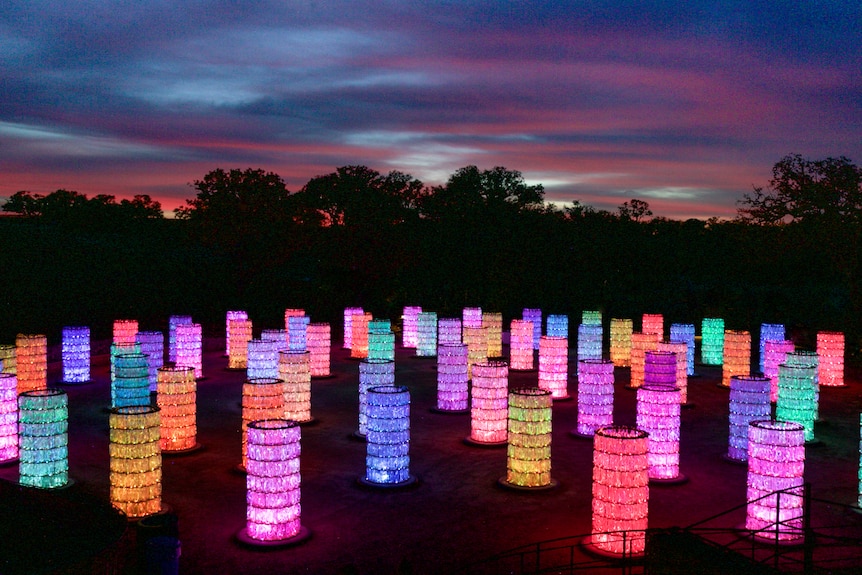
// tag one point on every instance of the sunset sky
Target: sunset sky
(685, 104)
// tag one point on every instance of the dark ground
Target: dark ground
(455, 516)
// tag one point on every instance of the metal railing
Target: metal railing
(833, 544)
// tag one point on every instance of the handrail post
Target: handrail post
(807, 534)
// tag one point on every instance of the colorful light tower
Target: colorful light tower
(797, 396)
(231, 316)
(768, 331)
(177, 400)
(372, 373)
(534, 316)
(136, 460)
(685, 332)
(240, 333)
(554, 366)
(737, 355)
(775, 353)
(595, 396)
(294, 371)
(452, 381)
(131, 385)
(620, 491)
(262, 359)
(349, 312)
(493, 324)
(680, 350)
(43, 435)
(521, 345)
(76, 355)
(173, 322)
(320, 349)
(410, 326)
(749, 401)
(387, 460)
(621, 341)
(653, 323)
(489, 406)
(31, 351)
(641, 343)
(448, 330)
(426, 334)
(712, 341)
(529, 440)
(190, 347)
(658, 415)
(273, 484)
(776, 462)
(153, 346)
(830, 350)
(261, 399)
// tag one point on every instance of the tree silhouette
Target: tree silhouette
(634, 210)
(803, 189)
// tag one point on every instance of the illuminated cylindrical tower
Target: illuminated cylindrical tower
(680, 350)
(273, 502)
(806, 357)
(534, 315)
(529, 439)
(294, 371)
(43, 435)
(595, 395)
(471, 317)
(521, 345)
(477, 346)
(173, 322)
(229, 316)
(32, 355)
(591, 317)
(125, 331)
(8, 418)
(830, 349)
(136, 460)
(278, 337)
(749, 401)
(120, 349)
(177, 399)
(653, 323)
(426, 334)
(153, 346)
(621, 341)
(131, 385)
(589, 341)
(381, 340)
(660, 368)
(387, 460)
(448, 330)
(359, 337)
(768, 331)
(776, 462)
(641, 343)
(262, 359)
(372, 373)
(298, 340)
(554, 366)
(685, 332)
(452, 381)
(737, 355)
(8, 360)
(190, 347)
(712, 341)
(775, 353)
(261, 399)
(797, 399)
(493, 324)
(76, 354)
(620, 490)
(297, 332)
(319, 349)
(240, 333)
(349, 312)
(557, 325)
(489, 406)
(658, 415)
(410, 326)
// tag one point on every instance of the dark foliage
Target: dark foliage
(358, 237)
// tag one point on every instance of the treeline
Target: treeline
(383, 241)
